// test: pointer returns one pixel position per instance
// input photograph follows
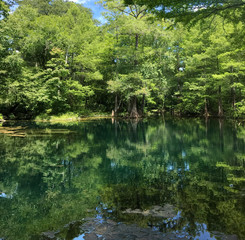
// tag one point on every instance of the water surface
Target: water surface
(184, 177)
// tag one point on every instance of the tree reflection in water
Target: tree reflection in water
(172, 175)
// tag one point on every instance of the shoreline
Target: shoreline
(72, 118)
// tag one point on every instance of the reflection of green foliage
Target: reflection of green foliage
(43, 177)
(178, 163)
(226, 166)
(57, 172)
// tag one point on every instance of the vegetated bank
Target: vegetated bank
(56, 59)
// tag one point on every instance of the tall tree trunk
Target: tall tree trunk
(143, 105)
(136, 48)
(114, 112)
(116, 104)
(220, 110)
(233, 91)
(136, 41)
(116, 108)
(206, 114)
(134, 112)
(129, 106)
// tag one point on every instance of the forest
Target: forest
(148, 57)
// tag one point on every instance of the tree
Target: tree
(47, 7)
(208, 77)
(5, 7)
(187, 10)
(138, 77)
(57, 56)
(131, 31)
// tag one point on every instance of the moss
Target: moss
(71, 116)
(1, 117)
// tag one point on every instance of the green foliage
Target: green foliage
(49, 61)
(54, 58)
(193, 10)
(4, 8)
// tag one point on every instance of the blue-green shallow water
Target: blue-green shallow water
(55, 174)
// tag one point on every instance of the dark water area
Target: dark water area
(107, 179)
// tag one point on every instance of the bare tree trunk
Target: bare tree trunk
(129, 106)
(220, 110)
(117, 106)
(143, 105)
(134, 112)
(233, 90)
(133, 103)
(136, 48)
(114, 112)
(136, 41)
(206, 114)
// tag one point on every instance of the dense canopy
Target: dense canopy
(186, 10)
(56, 59)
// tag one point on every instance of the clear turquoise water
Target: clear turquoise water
(54, 174)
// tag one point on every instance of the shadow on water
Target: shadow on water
(112, 179)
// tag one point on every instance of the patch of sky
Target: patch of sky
(170, 168)
(183, 154)
(113, 164)
(97, 9)
(81, 237)
(201, 234)
(4, 195)
(187, 166)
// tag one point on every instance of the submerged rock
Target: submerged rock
(49, 235)
(107, 229)
(168, 211)
(110, 230)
